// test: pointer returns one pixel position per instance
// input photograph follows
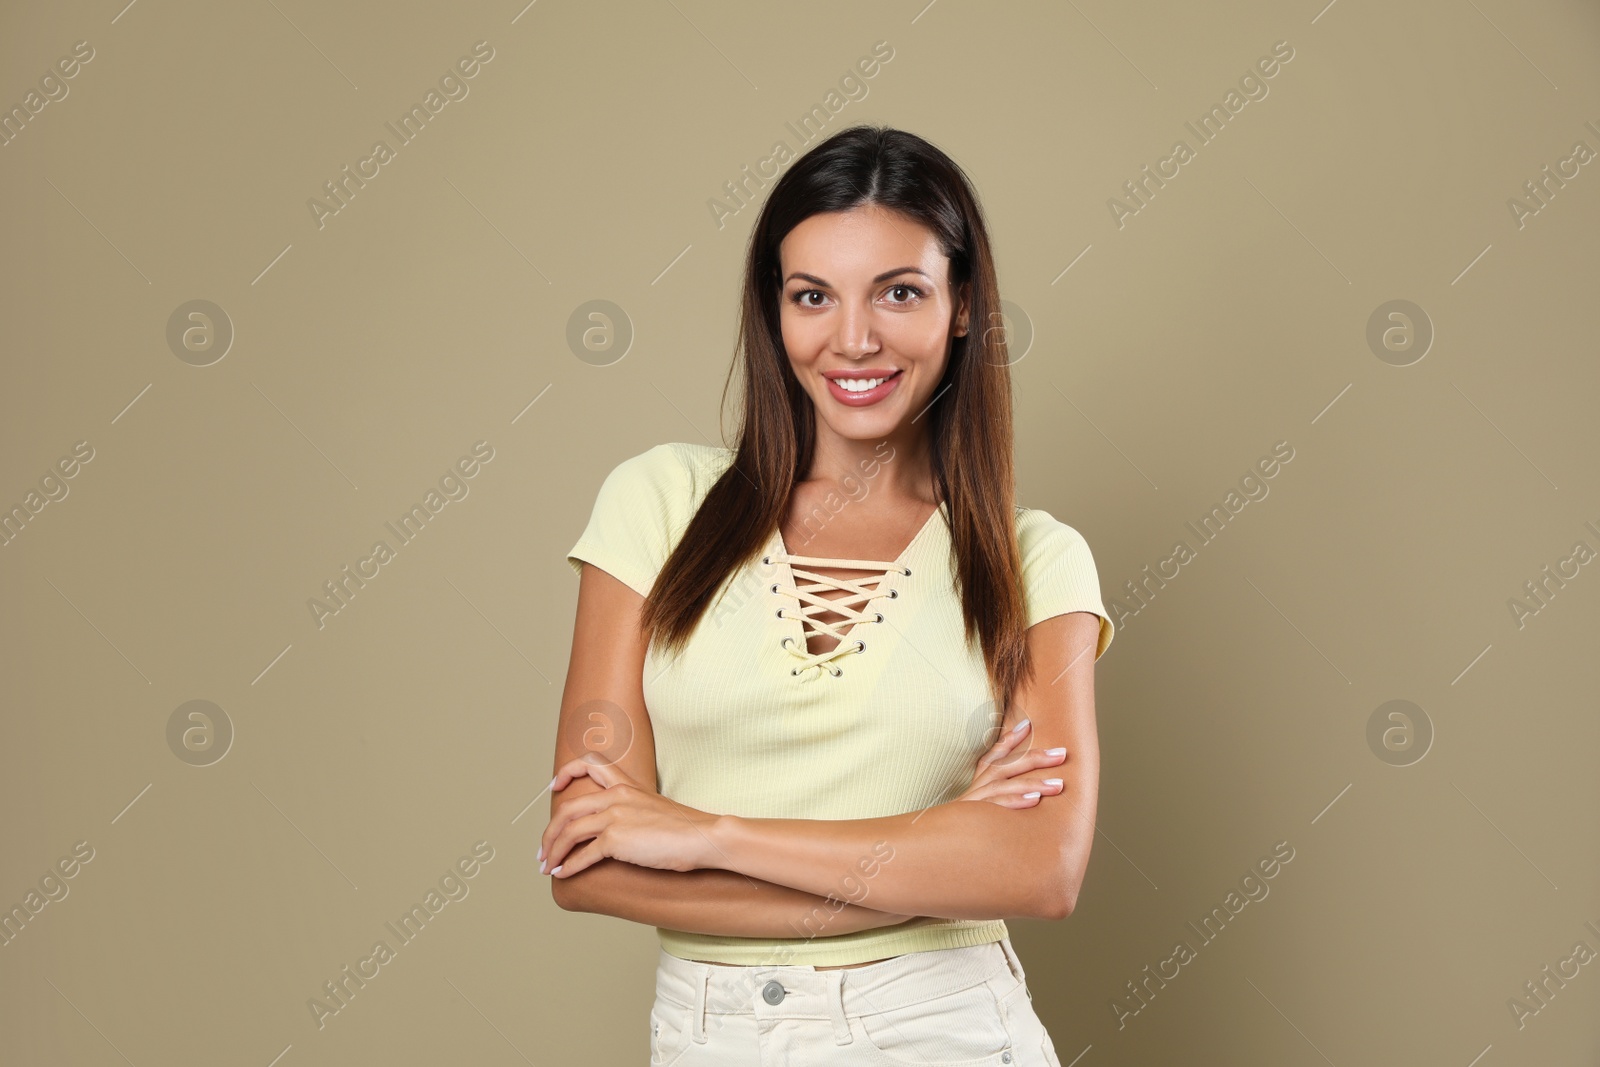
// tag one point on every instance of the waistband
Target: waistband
(807, 993)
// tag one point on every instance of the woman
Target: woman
(820, 891)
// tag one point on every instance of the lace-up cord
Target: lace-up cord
(857, 597)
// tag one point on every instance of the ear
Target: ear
(964, 310)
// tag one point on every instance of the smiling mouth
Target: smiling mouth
(857, 392)
(862, 385)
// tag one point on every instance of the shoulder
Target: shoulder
(1041, 537)
(643, 507)
(1058, 572)
(665, 484)
(669, 468)
(699, 460)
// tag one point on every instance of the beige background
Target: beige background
(431, 312)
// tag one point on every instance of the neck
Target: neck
(898, 465)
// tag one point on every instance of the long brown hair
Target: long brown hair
(969, 422)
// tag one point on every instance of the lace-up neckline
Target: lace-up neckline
(855, 605)
(852, 606)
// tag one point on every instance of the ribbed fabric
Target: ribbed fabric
(899, 728)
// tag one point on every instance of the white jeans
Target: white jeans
(952, 1007)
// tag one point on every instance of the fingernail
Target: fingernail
(1055, 752)
(558, 869)
(1030, 796)
(541, 866)
(540, 856)
(552, 782)
(1052, 781)
(1017, 729)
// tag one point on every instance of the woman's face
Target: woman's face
(866, 298)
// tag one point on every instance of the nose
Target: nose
(856, 338)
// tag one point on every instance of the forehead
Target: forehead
(859, 244)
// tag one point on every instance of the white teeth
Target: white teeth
(859, 385)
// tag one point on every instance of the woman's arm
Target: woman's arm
(603, 712)
(962, 860)
(712, 902)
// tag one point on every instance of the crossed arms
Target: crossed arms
(987, 855)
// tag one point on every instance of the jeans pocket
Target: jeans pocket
(1026, 1026)
(669, 1032)
(963, 1029)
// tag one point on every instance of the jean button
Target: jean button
(1005, 1057)
(772, 992)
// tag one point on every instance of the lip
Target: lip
(871, 396)
(861, 372)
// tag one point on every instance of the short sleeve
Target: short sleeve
(1058, 572)
(634, 524)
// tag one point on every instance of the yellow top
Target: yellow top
(893, 719)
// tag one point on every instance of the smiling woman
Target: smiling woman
(829, 802)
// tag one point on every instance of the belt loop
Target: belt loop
(1014, 962)
(703, 980)
(841, 1025)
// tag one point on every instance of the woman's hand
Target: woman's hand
(624, 821)
(1006, 779)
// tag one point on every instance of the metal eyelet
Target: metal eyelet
(861, 646)
(774, 587)
(894, 594)
(836, 671)
(780, 613)
(879, 618)
(795, 671)
(766, 560)
(785, 642)
(907, 572)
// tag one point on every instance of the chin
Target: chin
(862, 426)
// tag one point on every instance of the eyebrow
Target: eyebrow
(885, 276)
